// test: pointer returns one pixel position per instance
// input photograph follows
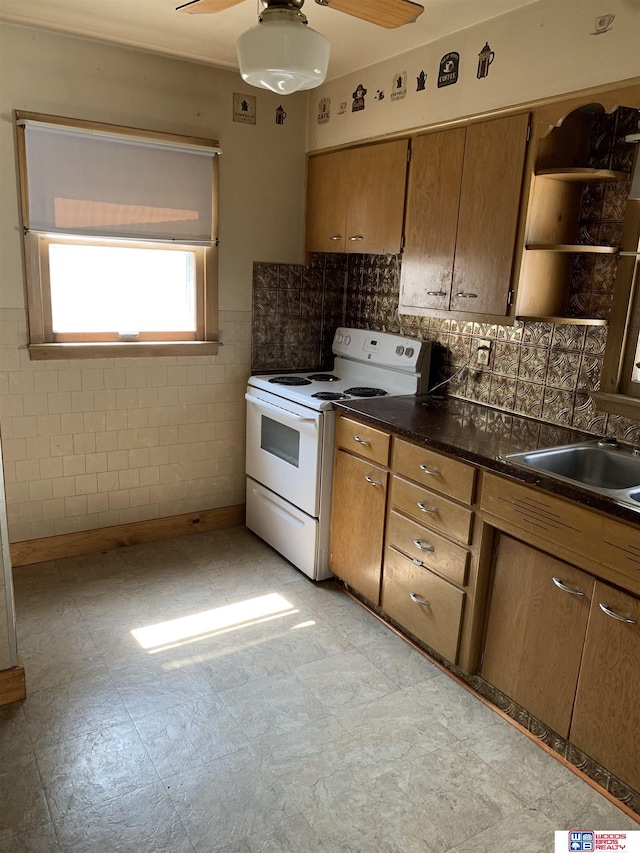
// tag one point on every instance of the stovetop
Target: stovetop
(367, 364)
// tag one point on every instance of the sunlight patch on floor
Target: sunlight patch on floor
(229, 617)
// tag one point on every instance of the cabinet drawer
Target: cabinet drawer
(366, 441)
(431, 509)
(426, 605)
(437, 472)
(610, 549)
(433, 550)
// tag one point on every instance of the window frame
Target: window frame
(42, 341)
(617, 394)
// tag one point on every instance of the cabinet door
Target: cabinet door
(536, 630)
(327, 202)
(375, 205)
(433, 197)
(489, 207)
(606, 719)
(357, 523)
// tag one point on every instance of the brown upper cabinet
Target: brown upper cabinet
(355, 199)
(463, 200)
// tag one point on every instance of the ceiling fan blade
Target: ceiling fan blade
(384, 13)
(197, 7)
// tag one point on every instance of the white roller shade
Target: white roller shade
(109, 185)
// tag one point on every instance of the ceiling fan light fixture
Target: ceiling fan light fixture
(283, 54)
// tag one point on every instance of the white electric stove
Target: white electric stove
(290, 436)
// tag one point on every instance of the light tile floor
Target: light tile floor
(255, 711)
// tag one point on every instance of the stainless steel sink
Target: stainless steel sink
(601, 466)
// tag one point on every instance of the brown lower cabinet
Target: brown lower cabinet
(357, 523)
(535, 631)
(606, 719)
(566, 647)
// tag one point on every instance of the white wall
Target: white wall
(541, 50)
(95, 443)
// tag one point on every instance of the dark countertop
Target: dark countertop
(481, 435)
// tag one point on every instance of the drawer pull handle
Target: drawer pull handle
(361, 440)
(426, 470)
(418, 600)
(436, 292)
(356, 237)
(463, 295)
(423, 508)
(574, 590)
(417, 562)
(617, 616)
(423, 546)
(371, 481)
(336, 237)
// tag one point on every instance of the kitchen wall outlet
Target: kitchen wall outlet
(483, 352)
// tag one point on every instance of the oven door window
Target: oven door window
(280, 440)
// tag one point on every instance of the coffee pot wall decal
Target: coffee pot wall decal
(485, 58)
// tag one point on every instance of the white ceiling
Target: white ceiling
(155, 25)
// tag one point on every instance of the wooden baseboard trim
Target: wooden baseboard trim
(107, 538)
(12, 685)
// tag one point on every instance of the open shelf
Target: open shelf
(568, 321)
(577, 249)
(580, 175)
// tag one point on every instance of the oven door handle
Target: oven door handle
(279, 409)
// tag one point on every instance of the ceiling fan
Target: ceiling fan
(383, 13)
(282, 53)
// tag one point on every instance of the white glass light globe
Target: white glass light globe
(283, 56)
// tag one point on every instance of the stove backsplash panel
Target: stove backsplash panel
(296, 310)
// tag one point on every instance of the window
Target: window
(120, 242)
(620, 383)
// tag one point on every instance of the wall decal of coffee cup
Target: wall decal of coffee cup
(342, 108)
(280, 115)
(421, 82)
(485, 58)
(449, 66)
(602, 24)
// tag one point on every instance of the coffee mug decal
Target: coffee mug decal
(602, 24)
(449, 65)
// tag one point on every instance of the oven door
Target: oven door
(284, 448)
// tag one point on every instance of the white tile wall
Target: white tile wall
(91, 444)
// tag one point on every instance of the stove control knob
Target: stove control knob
(409, 352)
(347, 340)
(399, 350)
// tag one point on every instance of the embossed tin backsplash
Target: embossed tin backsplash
(540, 370)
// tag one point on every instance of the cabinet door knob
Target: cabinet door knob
(426, 470)
(361, 440)
(609, 612)
(356, 237)
(574, 590)
(371, 481)
(423, 546)
(423, 508)
(418, 600)
(336, 237)
(463, 295)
